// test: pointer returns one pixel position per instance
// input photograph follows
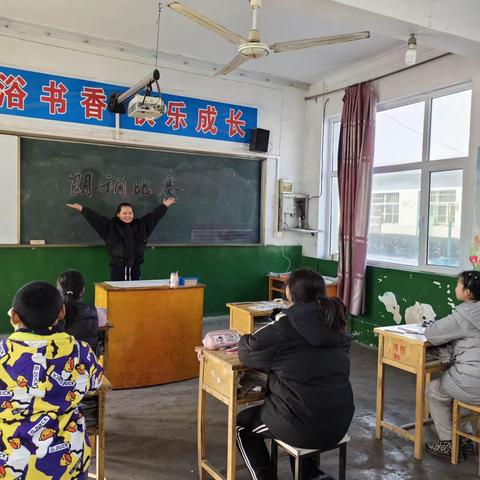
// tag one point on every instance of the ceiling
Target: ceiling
(133, 23)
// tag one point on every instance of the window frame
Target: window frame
(426, 167)
(332, 175)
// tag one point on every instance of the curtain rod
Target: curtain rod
(318, 95)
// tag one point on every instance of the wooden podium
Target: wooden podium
(155, 331)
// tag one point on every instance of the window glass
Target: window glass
(335, 144)
(394, 217)
(399, 135)
(444, 219)
(335, 217)
(450, 132)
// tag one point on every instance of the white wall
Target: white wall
(9, 182)
(447, 71)
(280, 110)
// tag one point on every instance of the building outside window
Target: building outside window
(384, 208)
(443, 205)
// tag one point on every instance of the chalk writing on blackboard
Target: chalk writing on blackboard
(169, 187)
(142, 188)
(81, 184)
(114, 184)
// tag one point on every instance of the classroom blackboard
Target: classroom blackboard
(218, 197)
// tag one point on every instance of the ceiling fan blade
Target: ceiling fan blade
(207, 23)
(318, 41)
(231, 66)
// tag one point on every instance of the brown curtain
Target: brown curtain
(355, 162)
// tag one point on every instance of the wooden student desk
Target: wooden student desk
(406, 352)
(242, 316)
(155, 330)
(219, 374)
(277, 284)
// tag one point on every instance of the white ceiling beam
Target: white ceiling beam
(442, 24)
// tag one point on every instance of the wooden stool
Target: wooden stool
(299, 453)
(98, 431)
(457, 420)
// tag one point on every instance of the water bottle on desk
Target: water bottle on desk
(174, 279)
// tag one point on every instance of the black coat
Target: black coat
(84, 327)
(125, 242)
(309, 400)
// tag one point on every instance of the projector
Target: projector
(141, 106)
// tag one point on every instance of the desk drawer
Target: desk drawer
(402, 351)
(217, 376)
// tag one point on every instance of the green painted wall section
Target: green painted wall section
(230, 273)
(408, 287)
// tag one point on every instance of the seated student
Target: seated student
(44, 374)
(309, 400)
(81, 319)
(462, 380)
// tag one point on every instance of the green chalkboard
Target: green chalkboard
(218, 198)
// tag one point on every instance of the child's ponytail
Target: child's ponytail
(334, 312)
(72, 286)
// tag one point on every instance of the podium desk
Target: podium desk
(155, 331)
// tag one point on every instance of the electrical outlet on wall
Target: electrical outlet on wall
(278, 235)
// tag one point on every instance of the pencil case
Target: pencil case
(220, 339)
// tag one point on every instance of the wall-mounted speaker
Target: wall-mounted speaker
(259, 140)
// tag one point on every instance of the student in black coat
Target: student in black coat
(81, 319)
(309, 399)
(125, 236)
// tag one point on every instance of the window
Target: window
(421, 152)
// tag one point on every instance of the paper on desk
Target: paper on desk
(140, 283)
(266, 306)
(416, 328)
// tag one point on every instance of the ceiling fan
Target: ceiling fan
(251, 47)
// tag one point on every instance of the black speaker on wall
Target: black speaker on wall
(259, 140)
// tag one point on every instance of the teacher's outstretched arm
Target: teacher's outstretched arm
(97, 221)
(156, 214)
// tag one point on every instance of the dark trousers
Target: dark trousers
(251, 436)
(119, 272)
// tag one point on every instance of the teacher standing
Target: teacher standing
(125, 237)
